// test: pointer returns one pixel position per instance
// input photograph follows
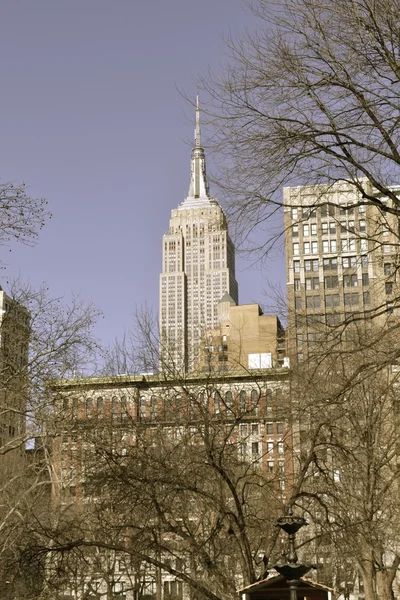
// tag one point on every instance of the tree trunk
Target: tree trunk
(384, 582)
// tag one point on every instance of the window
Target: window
(142, 407)
(350, 281)
(306, 230)
(313, 302)
(114, 408)
(153, 407)
(312, 283)
(349, 245)
(332, 300)
(331, 282)
(363, 245)
(364, 261)
(333, 320)
(330, 264)
(325, 246)
(217, 403)
(349, 262)
(281, 447)
(362, 208)
(279, 427)
(361, 225)
(366, 297)
(89, 408)
(243, 401)
(296, 266)
(243, 430)
(296, 249)
(254, 401)
(229, 401)
(270, 466)
(295, 214)
(327, 210)
(299, 339)
(306, 247)
(311, 265)
(386, 249)
(75, 409)
(309, 212)
(347, 210)
(387, 269)
(255, 449)
(297, 303)
(295, 231)
(389, 288)
(270, 428)
(297, 285)
(99, 406)
(270, 447)
(365, 279)
(351, 299)
(314, 247)
(314, 229)
(254, 429)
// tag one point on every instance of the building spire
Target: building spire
(198, 182)
(197, 129)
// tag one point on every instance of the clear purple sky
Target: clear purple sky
(92, 120)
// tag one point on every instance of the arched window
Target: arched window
(142, 407)
(229, 402)
(217, 403)
(89, 408)
(191, 407)
(100, 406)
(75, 409)
(178, 406)
(243, 401)
(124, 410)
(153, 408)
(268, 402)
(254, 402)
(114, 408)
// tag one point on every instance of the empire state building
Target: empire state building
(198, 268)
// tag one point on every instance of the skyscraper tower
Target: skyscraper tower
(198, 268)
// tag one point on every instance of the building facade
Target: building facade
(115, 435)
(14, 341)
(245, 339)
(341, 262)
(198, 267)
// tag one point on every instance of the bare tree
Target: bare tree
(41, 338)
(348, 477)
(173, 476)
(21, 216)
(310, 96)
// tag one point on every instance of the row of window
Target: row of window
(325, 210)
(331, 264)
(330, 246)
(331, 282)
(332, 300)
(152, 408)
(330, 228)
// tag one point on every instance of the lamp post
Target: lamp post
(291, 570)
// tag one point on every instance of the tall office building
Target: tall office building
(341, 262)
(198, 268)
